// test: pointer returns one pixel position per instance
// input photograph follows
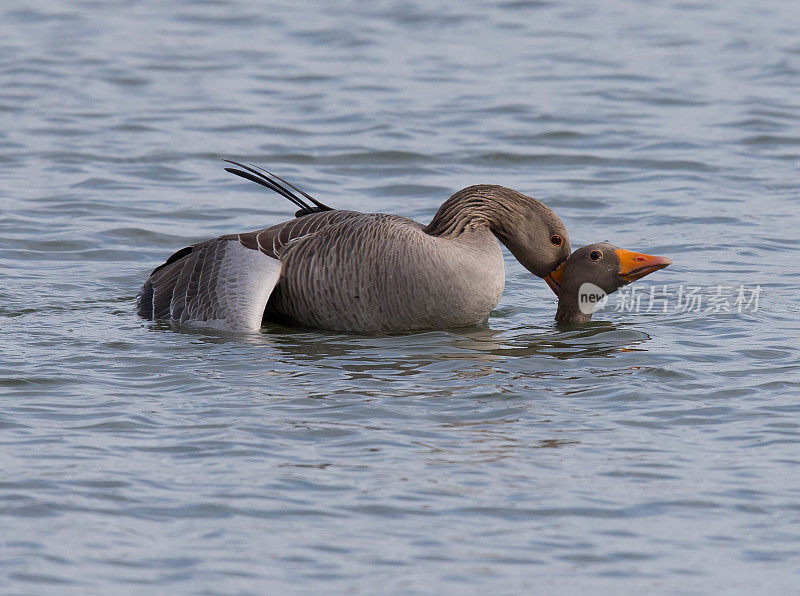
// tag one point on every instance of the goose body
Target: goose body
(359, 272)
(377, 272)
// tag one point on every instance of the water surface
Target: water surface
(648, 451)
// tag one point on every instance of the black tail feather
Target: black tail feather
(266, 183)
(270, 180)
(320, 206)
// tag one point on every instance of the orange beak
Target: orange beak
(555, 278)
(634, 265)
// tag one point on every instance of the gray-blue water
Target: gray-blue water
(648, 451)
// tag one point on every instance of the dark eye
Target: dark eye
(595, 255)
(556, 240)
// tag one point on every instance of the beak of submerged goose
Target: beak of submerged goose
(554, 278)
(635, 265)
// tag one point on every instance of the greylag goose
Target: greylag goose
(593, 272)
(358, 272)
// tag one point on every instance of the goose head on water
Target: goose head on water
(594, 271)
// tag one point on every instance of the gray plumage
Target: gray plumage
(361, 272)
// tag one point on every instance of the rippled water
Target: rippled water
(645, 451)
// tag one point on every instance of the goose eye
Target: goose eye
(595, 255)
(556, 240)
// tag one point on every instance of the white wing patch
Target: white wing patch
(232, 294)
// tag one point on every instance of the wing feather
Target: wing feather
(225, 283)
(220, 284)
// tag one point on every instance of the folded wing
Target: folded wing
(218, 283)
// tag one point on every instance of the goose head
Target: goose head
(528, 228)
(534, 234)
(606, 267)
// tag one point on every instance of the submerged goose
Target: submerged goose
(361, 272)
(605, 268)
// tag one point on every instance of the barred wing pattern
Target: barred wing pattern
(219, 284)
(226, 283)
(271, 241)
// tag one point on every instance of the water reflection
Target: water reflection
(589, 340)
(481, 344)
